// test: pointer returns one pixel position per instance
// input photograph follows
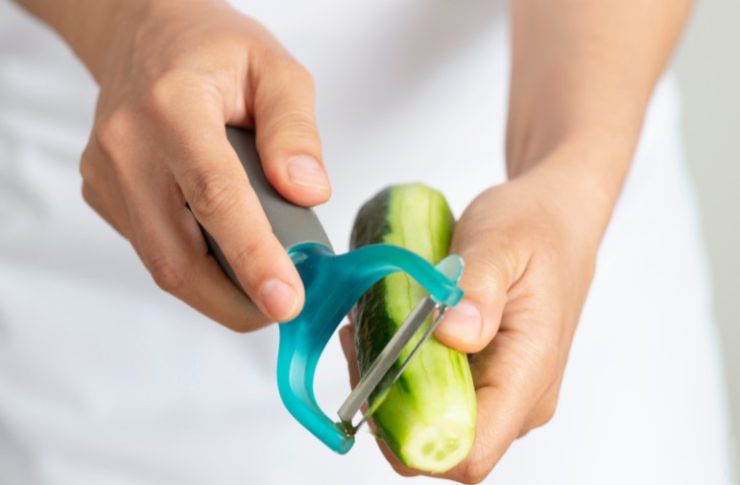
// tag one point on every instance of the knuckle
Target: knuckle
(496, 270)
(544, 413)
(296, 123)
(86, 191)
(479, 463)
(297, 73)
(249, 251)
(169, 276)
(287, 70)
(167, 91)
(211, 194)
(156, 101)
(111, 131)
(159, 94)
(87, 170)
(538, 420)
(487, 281)
(547, 414)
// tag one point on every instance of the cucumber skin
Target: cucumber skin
(436, 388)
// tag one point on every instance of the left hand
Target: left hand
(529, 252)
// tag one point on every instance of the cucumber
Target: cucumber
(427, 418)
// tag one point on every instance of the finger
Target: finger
(498, 426)
(471, 324)
(496, 430)
(172, 247)
(287, 136)
(510, 375)
(543, 412)
(107, 201)
(218, 192)
(98, 204)
(133, 190)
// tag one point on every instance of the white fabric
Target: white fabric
(104, 379)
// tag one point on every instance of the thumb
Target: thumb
(287, 137)
(470, 325)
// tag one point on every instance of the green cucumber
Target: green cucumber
(427, 418)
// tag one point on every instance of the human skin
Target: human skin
(170, 78)
(582, 75)
(172, 74)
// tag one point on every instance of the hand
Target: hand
(529, 254)
(172, 75)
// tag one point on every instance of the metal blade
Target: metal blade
(381, 375)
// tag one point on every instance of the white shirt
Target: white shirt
(106, 379)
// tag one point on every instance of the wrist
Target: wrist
(89, 27)
(580, 180)
(596, 122)
(100, 30)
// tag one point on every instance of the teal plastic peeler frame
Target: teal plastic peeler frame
(333, 284)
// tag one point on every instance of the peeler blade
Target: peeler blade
(382, 374)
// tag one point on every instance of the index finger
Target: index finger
(218, 192)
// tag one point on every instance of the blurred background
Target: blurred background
(708, 68)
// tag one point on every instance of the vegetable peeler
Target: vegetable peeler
(333, 284)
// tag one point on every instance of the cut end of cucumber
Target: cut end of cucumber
(435, 449)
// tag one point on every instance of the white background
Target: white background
(708, 66)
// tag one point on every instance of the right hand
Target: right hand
(171, 76)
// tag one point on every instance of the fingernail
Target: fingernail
(278, 298)
(304, 170)
(463, 322)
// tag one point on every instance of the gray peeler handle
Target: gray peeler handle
(291, 224)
